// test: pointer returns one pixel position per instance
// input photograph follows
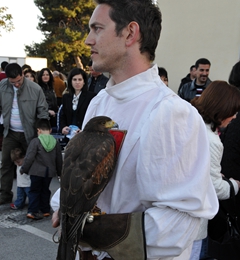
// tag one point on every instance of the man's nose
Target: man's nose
(89, 40)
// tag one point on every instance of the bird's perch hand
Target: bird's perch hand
(55, 219)
(125, 235)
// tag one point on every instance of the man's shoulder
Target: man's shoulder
(3, 82)
(187, 85)
(30, 84)
(103, 78)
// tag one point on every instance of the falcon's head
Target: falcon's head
(100, 124)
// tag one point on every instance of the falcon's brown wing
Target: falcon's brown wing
(88, 165)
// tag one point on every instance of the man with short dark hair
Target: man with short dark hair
(159, 190)
(21, 102)
(2, 73)
(195, 88)
(97, 81)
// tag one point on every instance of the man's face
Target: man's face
(193, 73)
(16, 82)
(202, 73)
(107, 49)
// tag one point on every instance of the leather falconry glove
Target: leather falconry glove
(122, 236)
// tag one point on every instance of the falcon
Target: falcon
(89, 161)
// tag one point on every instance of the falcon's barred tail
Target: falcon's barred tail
(67, 248)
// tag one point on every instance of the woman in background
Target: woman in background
(218, 105)
(75, 103)
(30, 74)
(45, 80)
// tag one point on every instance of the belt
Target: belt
(87, 255)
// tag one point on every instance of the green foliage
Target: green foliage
(5, 20)
(65, 27)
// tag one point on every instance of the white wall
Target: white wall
(198, 29)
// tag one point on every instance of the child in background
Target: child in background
(42, 162)
(23, 180)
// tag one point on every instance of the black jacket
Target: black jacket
(184, 81)
(231, 155)
(189, 90)
(100, 83)
(66, 114)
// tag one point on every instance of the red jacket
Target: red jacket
(2, 75)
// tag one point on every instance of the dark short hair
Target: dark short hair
(143, 12)
(192, 67)
(74, 72)
(162, 72)
(17, 154)
(202, 61)
(3, 65)
(43, 124)
(217, 102)
(234, 77)
(13, 70)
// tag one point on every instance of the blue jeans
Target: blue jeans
(22, 194)
(204, 250)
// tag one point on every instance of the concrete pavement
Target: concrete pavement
(23, 238)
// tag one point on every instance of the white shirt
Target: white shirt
(15, 121)
(164, 164)
(222, 187)
(23, 180)
(216, 151)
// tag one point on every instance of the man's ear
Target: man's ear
(133, 33)
(50, 131)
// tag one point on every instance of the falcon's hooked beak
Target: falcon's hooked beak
(111, 124)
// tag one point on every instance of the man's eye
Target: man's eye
(97, 29)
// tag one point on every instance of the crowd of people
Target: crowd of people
(174, 155)
(26, 97)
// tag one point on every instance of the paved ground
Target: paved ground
(23, 238)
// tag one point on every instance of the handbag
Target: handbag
(223, 230)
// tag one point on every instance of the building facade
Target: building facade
(194, 29)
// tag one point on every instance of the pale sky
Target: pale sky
(25, 19)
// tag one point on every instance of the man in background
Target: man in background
(97, 80)
(198, 85)
(22, 102)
